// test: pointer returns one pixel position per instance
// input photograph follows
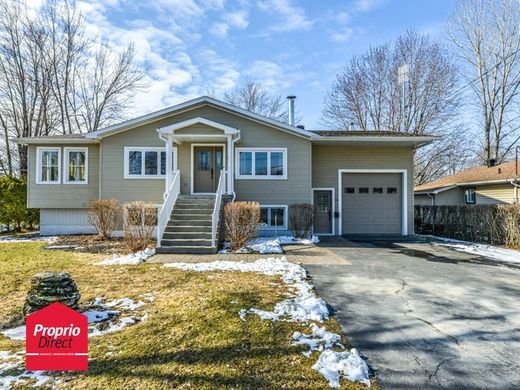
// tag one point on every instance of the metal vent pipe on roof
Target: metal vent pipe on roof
(290, 100)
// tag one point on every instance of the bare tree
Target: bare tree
(486, 35)
(251, 96)
(54, 80)
(406, 87)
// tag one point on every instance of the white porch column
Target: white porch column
(229, 168)
(168, 180)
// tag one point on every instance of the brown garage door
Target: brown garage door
(372, 203)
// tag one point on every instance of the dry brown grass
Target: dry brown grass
(193, 337)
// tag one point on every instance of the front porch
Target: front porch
(202, 174)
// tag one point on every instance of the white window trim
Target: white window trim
(126, 164)
(285, 216)
(473, 192)
(260, 177)
(39, 151)
(66, 162)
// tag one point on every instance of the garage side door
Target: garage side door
(372, 203)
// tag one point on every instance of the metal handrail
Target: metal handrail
(216, 209)
(167, 207)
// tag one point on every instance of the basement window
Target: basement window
(273, 217)
(470, 196)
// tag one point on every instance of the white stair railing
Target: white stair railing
(216, 210)
(167, 207)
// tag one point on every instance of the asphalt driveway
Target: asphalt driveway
(426, 317)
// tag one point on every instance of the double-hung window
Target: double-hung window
(48, 165)
(146, 162)
(76, 166)
(273, 217)
(470, 196)
(261, 163)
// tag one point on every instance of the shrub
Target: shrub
(103, 215)
(139, 223)
(242, 222)
(13, 204)
(510, 215)
(301, 218)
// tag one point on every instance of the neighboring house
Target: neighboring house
(480, 185)
(187, 157)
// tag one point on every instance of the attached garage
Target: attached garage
(373, 203)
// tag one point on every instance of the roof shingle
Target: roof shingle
(504, 171)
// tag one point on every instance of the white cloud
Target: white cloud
(291, 17)
(268, 73)
(220, 29)
(342, 35)
(220, 73)
(368, 5)
(236, 19)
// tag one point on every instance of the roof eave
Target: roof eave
(189, 105)
(413, 141)
(52, 141)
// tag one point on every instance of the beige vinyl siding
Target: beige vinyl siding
(63, 196)
(253, 134)
(495, 194)
(453, 197)
(198, 129)
(422, 200)
(64, 221)
(327, 160)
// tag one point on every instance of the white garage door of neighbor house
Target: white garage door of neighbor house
(372, 203)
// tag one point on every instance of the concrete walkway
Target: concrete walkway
(426, 317)
(305, 254)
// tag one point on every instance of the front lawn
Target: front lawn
(192, 337)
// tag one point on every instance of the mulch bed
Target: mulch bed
(89, 244)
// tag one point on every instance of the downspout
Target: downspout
(233, 163)
(432, 196)
(516, 187)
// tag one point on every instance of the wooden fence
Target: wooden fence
(476, 223)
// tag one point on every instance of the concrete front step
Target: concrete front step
(188, 228)
(191, 217)
(192, 211)
(186, 242)
(179, 250)
(187, 235)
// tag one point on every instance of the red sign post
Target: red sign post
(57, 339)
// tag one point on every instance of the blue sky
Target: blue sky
(188, 47)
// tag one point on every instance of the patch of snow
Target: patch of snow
(132, 258)
(318, 340)
(302, 306)
(114, 327)
(290, 240)
(334, 365)
(264, 245)
(305, 306)
(14, 239)
(16, 361)
(488, 251)
(270, 245)
(122, 303)
(17, 333)
(94, 316)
